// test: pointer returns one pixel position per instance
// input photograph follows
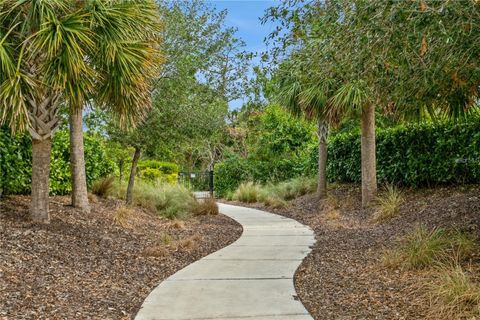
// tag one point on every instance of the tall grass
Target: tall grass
(454, 294)
(388, 204)
(103, 186)
(247, 192)
(167, 200)
(429, 248)
(275, 195)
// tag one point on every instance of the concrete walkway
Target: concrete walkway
(250, 279)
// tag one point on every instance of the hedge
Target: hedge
(164, 167)
(16, 161)
(415, 155)
(154, 170)
(230, 173)
(423, 154)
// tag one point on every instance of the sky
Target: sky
(245, 15)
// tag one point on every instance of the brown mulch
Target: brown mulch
(87, 266)
(343, 277)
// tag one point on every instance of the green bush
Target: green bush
(16, 161)
(229, 174)
(415, 155)
(150, 174)
(163, 167)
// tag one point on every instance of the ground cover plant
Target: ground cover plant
(421, 264)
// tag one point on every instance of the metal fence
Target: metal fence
(200, 183)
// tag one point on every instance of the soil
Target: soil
(344, 278)
(97, 265)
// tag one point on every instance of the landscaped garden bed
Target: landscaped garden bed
(97, 265)
(347, 275)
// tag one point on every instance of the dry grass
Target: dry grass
(178, 224)
(165, 239)
(275, 202)
(188, 244)
(167, 244)
(156, 251)
(454, 294)
(388, 204)
(103, 186)
(206, 207)
(332, 215)
(122, 216)
(92, 198)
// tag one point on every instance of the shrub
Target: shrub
(163, 167)
(16, 157)
(247, 192)
(103, 186)
(205, 207)
(158, 171)
(150, 174)
(229, 174)
(388, 204)
(446, 153)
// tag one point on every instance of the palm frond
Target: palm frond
(349, 99)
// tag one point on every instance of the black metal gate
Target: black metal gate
(200, 183)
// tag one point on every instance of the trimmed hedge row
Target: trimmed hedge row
(414, 155)
(154, 170)
(16, 162)
(422, 154)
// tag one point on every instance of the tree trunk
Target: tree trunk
(133, 172)
(77, 161)
(41, 150)
(322, 159)
(120, 169)
(369, 173)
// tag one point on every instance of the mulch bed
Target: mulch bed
(87, 266)
(343, 277)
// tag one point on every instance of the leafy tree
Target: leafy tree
(205, 64)
(403, 58)
(72, 51)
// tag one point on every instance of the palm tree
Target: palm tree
(73, 52)
(354, 97)
(309, 101)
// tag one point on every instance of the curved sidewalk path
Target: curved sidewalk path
(249, 279)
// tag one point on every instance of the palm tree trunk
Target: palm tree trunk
(41, 150)
(322, 159)
(133, 172)
(77, 161)
(369, 171)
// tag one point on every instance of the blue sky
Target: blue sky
(245, 15)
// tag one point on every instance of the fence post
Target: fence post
(211, 183)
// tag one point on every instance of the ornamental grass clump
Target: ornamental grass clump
(454, 293)
(388, 204)
(248, 192)
(430, 248)
(167, 200)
